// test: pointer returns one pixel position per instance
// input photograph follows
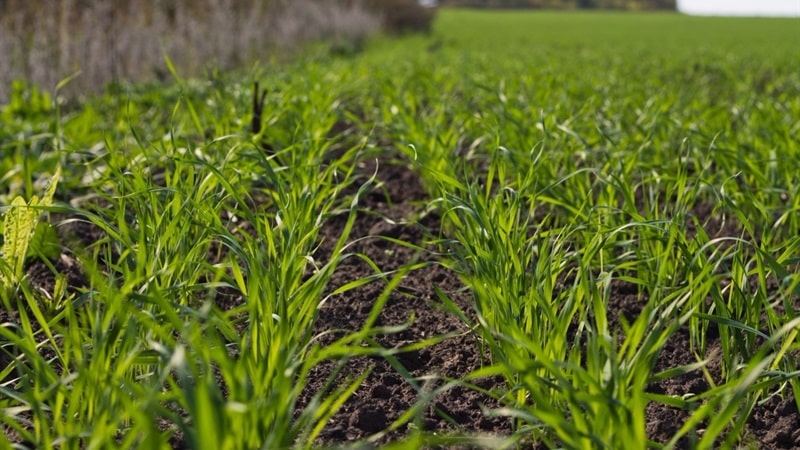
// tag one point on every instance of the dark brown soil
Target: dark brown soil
(387, 394)
(398, 210)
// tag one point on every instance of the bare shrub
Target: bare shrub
(45, 42)
(312, 21)
(401, 16)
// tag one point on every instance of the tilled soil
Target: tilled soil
(397, 210)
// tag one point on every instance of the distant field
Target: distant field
(524, 230)
(605, 30)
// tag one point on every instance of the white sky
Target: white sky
(741, 7)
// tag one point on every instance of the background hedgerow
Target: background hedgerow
(46, 42)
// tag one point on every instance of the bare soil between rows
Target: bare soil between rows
(395, 209)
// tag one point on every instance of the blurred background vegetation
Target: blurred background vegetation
(43, 42)
(104, 41)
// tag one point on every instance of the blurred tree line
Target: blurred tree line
(564, 4)
(46, 41)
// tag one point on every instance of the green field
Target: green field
(569, 156)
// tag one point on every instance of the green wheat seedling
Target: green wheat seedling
(599, 204)
(178, 228)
